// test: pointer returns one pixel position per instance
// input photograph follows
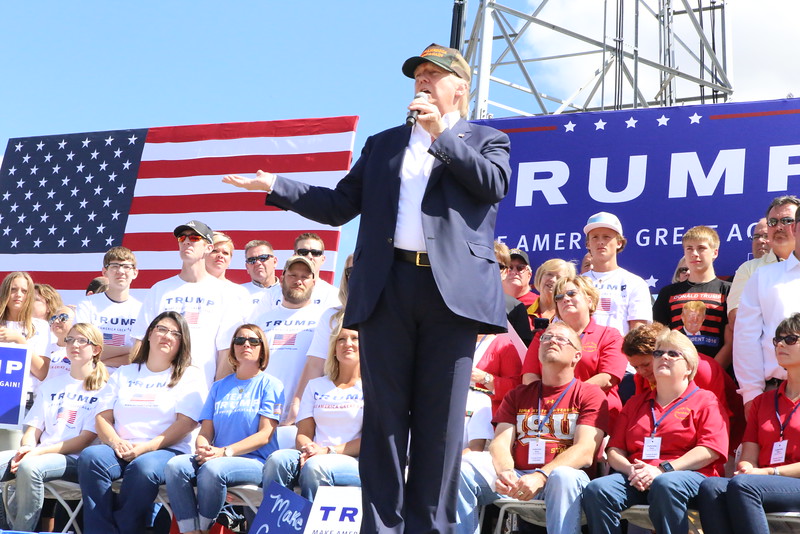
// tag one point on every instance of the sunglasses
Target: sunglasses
(261, 259)
(683, 270)
(672, 354)
(241, 340)
(194, 238)
(788, 339)
(785, 221)
(60, 318)
(348, 271)
(572, 293)
(306, 251)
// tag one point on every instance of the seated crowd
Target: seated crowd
(597, 399)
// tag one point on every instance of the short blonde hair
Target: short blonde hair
(584, 285)
(702, 233)
(684, 345)
(555, 264)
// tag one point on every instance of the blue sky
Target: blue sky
(99, 65)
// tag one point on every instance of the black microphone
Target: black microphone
(411, 118)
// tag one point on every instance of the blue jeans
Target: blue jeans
(31, 475)
(740, 504)
(561, 494)
(127, 513)
(212, 478)
(321, 470)
(669, 496)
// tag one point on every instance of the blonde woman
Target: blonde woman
(59, 426)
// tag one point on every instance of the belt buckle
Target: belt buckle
(418, 256)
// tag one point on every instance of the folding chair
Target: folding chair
(247, 495)
(780, 522)
(639, 515)
(531, 511)
(62, 491)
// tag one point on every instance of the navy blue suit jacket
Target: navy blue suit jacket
(470, 176)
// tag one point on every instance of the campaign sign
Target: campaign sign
(14, 362)
(282, 511)
(660, 170)
(336, 510)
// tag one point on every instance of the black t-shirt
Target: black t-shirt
(714, 294)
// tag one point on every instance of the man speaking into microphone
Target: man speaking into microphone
(423, 285)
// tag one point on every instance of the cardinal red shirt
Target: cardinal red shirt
(763, 427)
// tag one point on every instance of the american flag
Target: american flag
(66, 199)
(114, 340)
(605, 304)
(281, 340)
(68, 415)
(192, 317)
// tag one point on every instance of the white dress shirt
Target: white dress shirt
(771, 295)
(417, 166)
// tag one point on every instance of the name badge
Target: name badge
(779, 452)
(536, 452)
(652, 448)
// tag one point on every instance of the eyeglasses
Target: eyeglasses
(306, 251)
(788, 339)
(60, 318)
(759, 236)
(517, 268)
(559, 340)
(121, 266)
(80, 341)
(194, 238)
(572, 293)
(164, 331)
(671, 354)
(785, 221)
(261, 258)
(240, 340)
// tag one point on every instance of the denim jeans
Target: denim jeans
(669, 496)
(31, 475)
(199, 512)
(561, 494)
(128, 512)
(740, 504)
(320, 470)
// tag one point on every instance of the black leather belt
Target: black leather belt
(420, 259)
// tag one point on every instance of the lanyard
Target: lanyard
(788, 417)
(542, 422)
(665, 414)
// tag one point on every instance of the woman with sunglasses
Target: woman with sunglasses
(237, 424)
(329, 425)
(145, 415)
(58, 427)
(767, 477)
(602, 362)
(664, 443)
(60, 325)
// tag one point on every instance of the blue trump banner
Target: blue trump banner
(14, 361)
(660, 170)
(281, 511)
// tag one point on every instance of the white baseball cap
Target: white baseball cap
(603, 219)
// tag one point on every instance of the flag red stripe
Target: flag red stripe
(200, 203)
(286, 128)
(321, 161)
(279, 239)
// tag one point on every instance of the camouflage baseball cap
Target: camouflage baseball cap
(449, 59)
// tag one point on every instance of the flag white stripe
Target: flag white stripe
(265, 221)
(212, 184)
(216, 148)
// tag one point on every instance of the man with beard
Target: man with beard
(289, 328)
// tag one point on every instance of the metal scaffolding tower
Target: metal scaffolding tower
(557, 56)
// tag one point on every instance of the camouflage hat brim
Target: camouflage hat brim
(449, 59)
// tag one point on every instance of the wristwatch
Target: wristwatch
(227, 452)
(666, 467)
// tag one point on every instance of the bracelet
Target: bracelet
(775, 471)
(331, 450)
(546, 476)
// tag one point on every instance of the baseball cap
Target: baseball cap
(300, 259)
(521, 254)
(449, 59)
(198, 227)
(603, 219)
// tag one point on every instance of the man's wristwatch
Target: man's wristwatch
(488, 379)
(227, 452)
(666, 467)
